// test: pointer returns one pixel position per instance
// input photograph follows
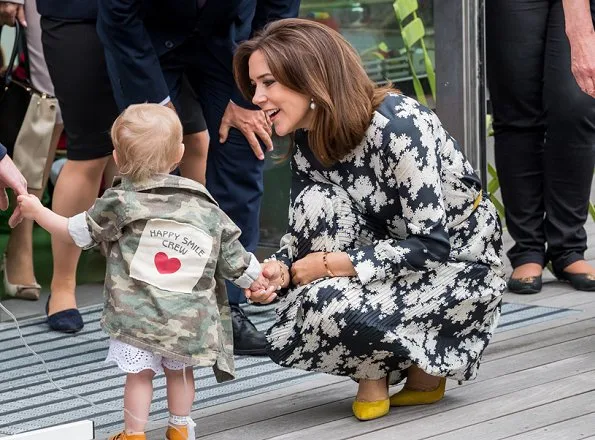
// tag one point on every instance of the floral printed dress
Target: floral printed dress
(408, 209)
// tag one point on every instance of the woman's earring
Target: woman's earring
(312, 104)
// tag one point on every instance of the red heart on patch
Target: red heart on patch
(164, 264)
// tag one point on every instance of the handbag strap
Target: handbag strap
(19, 42)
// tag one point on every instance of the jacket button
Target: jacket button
(169, 44)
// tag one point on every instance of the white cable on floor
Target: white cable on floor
(102, 407)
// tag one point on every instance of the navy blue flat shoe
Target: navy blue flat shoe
(525, 286)
(580, 281)
(64, 321)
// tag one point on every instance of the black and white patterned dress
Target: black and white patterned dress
(429, 271)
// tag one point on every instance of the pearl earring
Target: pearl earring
(312, 104)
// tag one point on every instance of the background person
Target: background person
(148, 52)
(19, 275)
(87, 100)
(544, 131)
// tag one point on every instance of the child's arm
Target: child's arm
(55, 224)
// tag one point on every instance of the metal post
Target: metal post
(460, 76)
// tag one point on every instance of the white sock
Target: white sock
(183, 421)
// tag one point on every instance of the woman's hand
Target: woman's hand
(308, 269)
(583, 63)
(579, 29)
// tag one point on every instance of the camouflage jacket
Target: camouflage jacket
(168, 247)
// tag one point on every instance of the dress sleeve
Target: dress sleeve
(235, 263)
(413, 167)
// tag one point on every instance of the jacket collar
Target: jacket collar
(162, 181)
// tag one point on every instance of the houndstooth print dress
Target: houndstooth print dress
(429, 271)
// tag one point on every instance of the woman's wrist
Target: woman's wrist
(337, 264)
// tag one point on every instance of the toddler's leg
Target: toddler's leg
(180, 397)
(138, 394)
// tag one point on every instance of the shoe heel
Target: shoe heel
(29, 292)
(407, 397)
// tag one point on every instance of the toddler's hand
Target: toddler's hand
(260, 283)
(29, 206)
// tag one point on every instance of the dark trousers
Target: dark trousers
(544, 131)
(234, 174)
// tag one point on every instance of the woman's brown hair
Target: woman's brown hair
(315, 61)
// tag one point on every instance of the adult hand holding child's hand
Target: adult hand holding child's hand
(271, 272)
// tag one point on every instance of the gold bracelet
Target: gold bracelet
(281, 267)
(330, 274)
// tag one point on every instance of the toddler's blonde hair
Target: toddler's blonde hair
(147, 139)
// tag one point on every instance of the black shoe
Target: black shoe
(246, 339)
(64, 321)
(525, 286)
(580, 281)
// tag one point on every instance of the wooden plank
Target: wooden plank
(462, 408)
(516, 355)
(489, 409)
(499, 427)
(334, 420)
(271, 403)
(301, 397)
(585, 316)
(578, 428)
(549, 337)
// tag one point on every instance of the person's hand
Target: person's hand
(9, 12)
(11, 177)
(582, 56)
(260, 283)
(308, 269)
(171, 106)
(252, 123)
(271, 272)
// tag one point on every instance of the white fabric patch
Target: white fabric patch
(171, 255)
(79, 230)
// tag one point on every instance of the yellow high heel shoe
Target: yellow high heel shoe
(370, 410)
(407, 397)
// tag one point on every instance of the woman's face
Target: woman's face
(287, 110)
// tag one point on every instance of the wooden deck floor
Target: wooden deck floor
(536, 382)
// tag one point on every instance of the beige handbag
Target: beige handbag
(32, 145)
(27, 118)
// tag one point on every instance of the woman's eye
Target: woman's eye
(268, 82)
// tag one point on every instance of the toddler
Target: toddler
(169, 248)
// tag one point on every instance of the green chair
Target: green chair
(413, 32)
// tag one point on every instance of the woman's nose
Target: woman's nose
(258, 98)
